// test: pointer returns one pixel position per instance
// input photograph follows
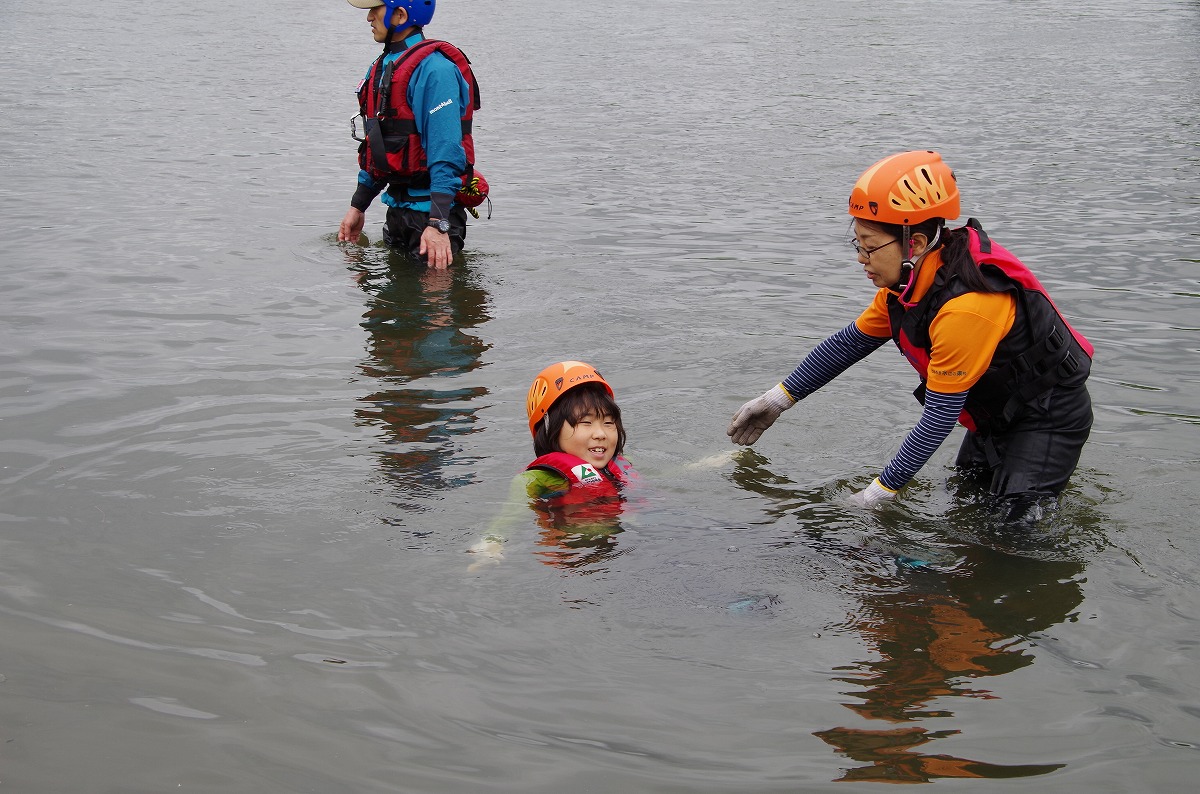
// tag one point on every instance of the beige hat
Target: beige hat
(365, 3)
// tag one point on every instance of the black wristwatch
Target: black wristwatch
(441, 224)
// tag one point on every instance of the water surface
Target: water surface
(242, 464)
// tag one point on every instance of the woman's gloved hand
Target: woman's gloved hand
(757, 415)
(872, 495)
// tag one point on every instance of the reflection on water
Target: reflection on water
(204, 421)
(940, 613)
(581, 536)
(938, 635)
(418, 320)
(891, 757)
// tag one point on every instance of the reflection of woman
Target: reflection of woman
(990, 347)
(938, 618)
(933, 638)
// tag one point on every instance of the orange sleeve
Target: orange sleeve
(874, 320)
(964, 336)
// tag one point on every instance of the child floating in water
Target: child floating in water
(577, 434)
(575, 483)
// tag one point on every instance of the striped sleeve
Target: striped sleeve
(937, 420)
(829, 359)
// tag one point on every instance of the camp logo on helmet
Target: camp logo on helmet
(564, 376)
(586, 473)
(855, 207)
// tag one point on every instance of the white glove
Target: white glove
(757, 415)
(873, 494)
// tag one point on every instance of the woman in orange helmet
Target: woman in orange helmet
(989, 345)
(580, 472)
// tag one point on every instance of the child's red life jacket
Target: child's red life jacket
(585, 480)
(392, 150)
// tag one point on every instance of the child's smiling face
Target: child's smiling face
(593, 438)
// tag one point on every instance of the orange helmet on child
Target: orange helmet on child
(555, 381)
(906, 189)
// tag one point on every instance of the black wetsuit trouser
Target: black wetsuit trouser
(403, 229)
(1036, 455)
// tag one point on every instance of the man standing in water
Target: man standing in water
(416, 103)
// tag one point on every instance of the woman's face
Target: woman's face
(879, 253)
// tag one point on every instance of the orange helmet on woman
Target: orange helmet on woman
(555, 381)
(906, 189)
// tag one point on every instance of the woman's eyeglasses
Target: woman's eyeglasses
(858, 249)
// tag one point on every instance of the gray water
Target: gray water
(242, 464)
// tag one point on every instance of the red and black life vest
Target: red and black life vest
(392, 149)
(1040, 351)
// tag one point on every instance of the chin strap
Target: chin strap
(908, 266)
(391, 29)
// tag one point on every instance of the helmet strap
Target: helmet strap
(908, 267)
(387, 23)
(906, 271)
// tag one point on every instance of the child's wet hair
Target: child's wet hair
(590, 398)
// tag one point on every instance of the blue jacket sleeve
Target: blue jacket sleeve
(366, 191)
(439, 96)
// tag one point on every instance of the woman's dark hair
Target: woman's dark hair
(590, 398)
(956, 253)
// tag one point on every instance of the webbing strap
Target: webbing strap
(1049, 363)
(985, 242)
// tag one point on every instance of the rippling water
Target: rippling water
(241, 464)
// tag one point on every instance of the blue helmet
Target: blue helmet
(420, 12)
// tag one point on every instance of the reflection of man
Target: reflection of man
(419, 322)
(417, 101)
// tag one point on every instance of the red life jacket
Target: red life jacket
(593, 502)
(586, 482)
(1040, 351)
(392, 150)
